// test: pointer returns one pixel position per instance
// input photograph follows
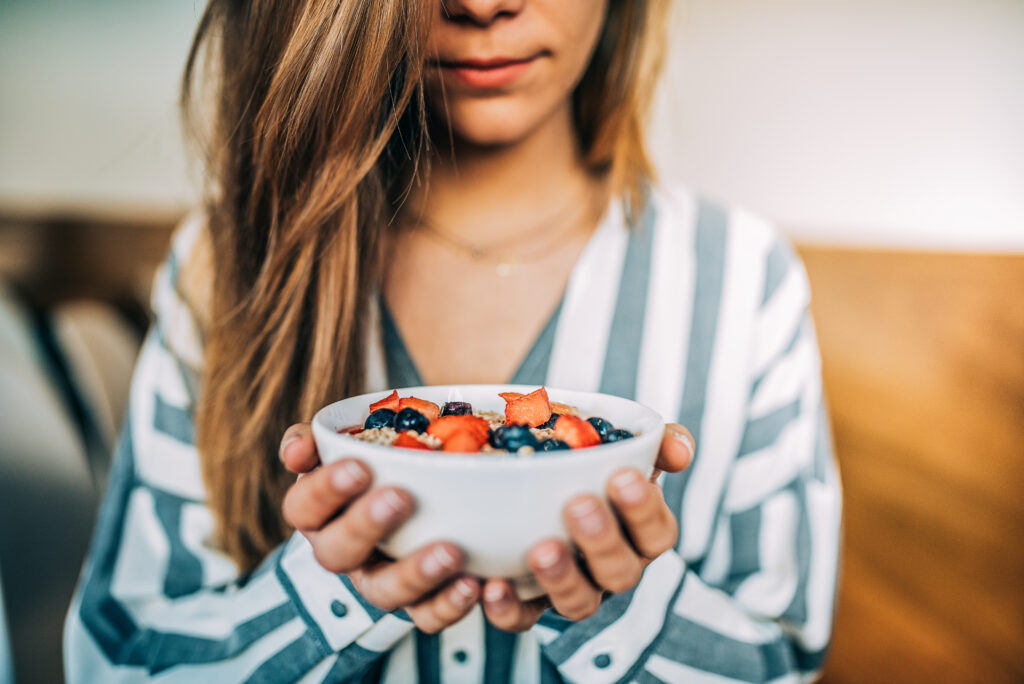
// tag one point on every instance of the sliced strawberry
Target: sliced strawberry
(351, 430)
(407, 441)
(564, 409)
(465, 441)
(532, 409)
(446, 426)
(388, 402)
(509, 396)
(576, 432)
(427, 408)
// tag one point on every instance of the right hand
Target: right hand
(344, 520)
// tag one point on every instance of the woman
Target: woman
(407, 193)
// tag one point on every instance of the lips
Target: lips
(488, 74)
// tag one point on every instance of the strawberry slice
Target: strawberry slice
(564, 409)
(351, 430)
(388, 402)
(465, 441)
(427, 408)
(509, 396)
(407, 441)
(576, 432)
(532, 409)
(446, 426)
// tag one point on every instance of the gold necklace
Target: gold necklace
(504, 261)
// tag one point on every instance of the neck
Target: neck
(489, 194)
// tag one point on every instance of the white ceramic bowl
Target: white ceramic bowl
(495, 508)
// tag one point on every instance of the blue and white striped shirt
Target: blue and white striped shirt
(700, 313)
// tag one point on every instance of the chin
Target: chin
(493, 122)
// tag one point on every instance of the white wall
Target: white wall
(875, 122)
(880, 122)
(88, 114)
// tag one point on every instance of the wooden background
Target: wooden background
(924, 371)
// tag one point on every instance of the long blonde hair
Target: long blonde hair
(318, 125)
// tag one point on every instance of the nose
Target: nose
(480, 12)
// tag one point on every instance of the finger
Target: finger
(570, 592)
(447, 607)
(611, 560)
(313, 500)
(407, 581)
(298, 450)
(677, 449)
(640, 506)
(347, 541)
(504, 609)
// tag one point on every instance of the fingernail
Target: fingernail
(386, 507)
(631, 488)
(348, 477)
(494, 593)
(463, 592)
(684, 438)
(284, 444)
(588, 518)
(548, 559)
(438, 562)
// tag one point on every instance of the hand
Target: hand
(345, 520)
(615, 547)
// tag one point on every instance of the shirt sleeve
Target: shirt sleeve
(157, 599)
(757, 605)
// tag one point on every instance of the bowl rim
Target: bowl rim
(323, 431)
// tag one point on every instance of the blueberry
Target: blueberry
(411, 419)
(552, 445)
(618, 435)
(380, 418)
(602, 426)
(457, 408)
(513, 437)
(550, 422)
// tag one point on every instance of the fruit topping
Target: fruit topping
(576, 432)
(457, 408)
(350, 430)
(531, 409)
(531, 422)
(427, 408)
(444, 427)
(464, 441)
(380, 418)
(513, 437)
(411, 419)
(409, 442)
(550, 423)
(388, 402)
(602, 426)
(618, 435)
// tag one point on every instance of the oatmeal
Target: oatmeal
(531, 424)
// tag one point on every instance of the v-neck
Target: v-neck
(402, 370)
(533, 369)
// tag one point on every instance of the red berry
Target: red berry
(576, 432)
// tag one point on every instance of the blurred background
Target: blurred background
(885, 137)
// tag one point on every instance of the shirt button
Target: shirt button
(339, 608)
(460, 656)
(602, 660)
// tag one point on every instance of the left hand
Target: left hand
(615, 545)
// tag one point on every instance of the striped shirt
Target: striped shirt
(700, 312)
